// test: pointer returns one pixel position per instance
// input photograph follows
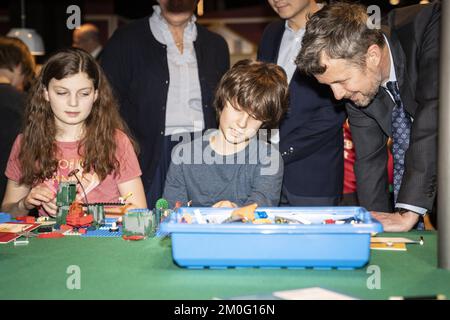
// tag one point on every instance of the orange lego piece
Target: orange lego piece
(76, 216)
(65, 227)
(246, 213)
(29, 219)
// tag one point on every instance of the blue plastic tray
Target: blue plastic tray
(315, 245)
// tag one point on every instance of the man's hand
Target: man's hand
(396, 222)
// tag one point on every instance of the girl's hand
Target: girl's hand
(50, 207)
(39, 196)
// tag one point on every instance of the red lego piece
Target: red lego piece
(134, 238)
(65, 227)
(329, 221)
(50, 235)
(26, 219)
(76, 217)
(30, 219)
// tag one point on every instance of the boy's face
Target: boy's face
(237, 126)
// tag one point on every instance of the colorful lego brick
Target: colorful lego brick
(103, 232)
(138, 222)
(98, 211)
(61, 214)
(50, 235)
(5, 217)
(26, 219)
(29, 219)
(65, 227)
(67, 191)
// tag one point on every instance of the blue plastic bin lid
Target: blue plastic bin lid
(315, 215)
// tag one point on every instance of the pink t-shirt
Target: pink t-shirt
(96, 191)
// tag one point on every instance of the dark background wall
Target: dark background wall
(49, 17)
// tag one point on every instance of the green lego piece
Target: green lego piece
(162, 204)
(137, 222)
(98, 212)
(67, 191)
(61, 214)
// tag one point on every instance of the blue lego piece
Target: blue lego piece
(261, 215)
(5, 217)
(103, 231)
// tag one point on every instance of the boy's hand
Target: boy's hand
(224, 204)
(39, 196)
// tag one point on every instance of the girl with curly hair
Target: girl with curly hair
(72, 130)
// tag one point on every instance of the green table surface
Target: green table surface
(112, 268)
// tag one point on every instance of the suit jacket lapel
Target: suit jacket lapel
(278, 37)
(404, 82)
(381, 110)
(381, 107)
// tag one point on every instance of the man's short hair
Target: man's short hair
(339, 30)
(14, 52)
(259, 88)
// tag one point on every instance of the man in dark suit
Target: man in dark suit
(390, 77)
(310, 136)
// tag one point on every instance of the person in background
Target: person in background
(236, 168)
(16, 73)
(310, 136)
(164, 69)
(390, 78)
(87, 37)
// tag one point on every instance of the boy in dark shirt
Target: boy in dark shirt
(231, 167)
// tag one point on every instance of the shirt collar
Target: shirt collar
(157, 20)
(96, 51)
